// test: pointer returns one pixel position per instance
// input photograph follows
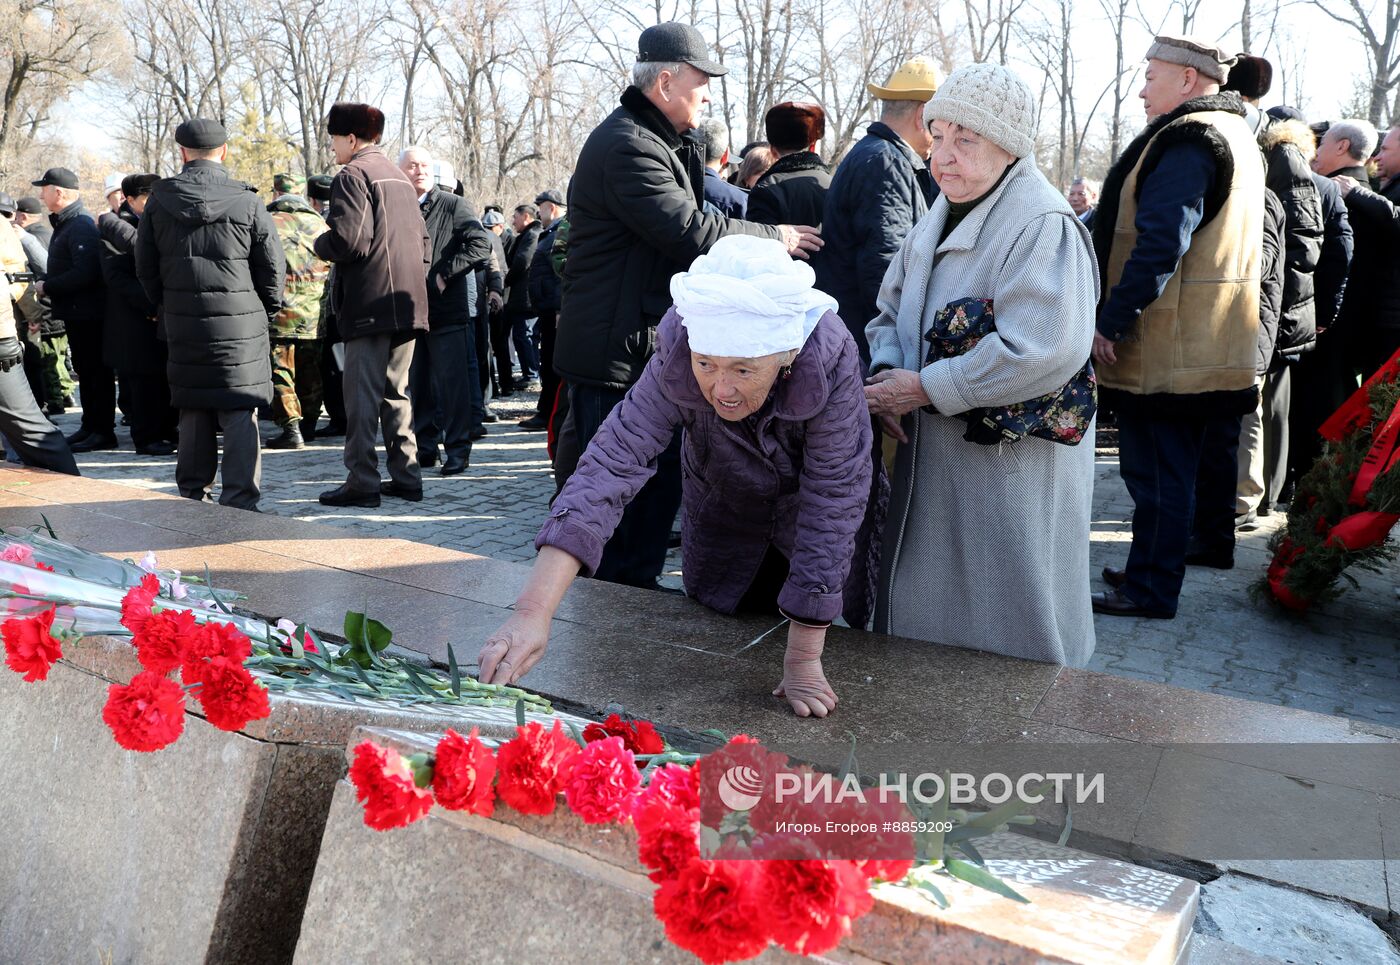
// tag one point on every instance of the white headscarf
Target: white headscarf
(747, 298)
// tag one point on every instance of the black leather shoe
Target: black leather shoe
(54, 408)
(476, 434)
(392, 488)
(77, 437)
(455, 465)
(156, 449)
(343, 495)
(1113, 603)
(427, 458)
(332, 429)
(289, 439)
(535, 423)
(1114, 578)
(490, 416)
(94, 442)
(1215, 559)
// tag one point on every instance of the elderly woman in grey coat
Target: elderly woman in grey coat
(980, 362)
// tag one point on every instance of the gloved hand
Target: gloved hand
(804, 684)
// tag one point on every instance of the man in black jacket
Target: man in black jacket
(514, 323)
(793, 190)
(636, 218)
(132, 346)
(880, 189)
(1371, 309)
(544, 286)
(73, 286)
(209, 259)
(443, 376)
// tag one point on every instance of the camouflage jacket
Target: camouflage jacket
(298, 226)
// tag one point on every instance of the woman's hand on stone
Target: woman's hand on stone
(804, 684)
(512, 650)
(894, 392)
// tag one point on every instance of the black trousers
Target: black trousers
(153, 419)
(500, 349)
(481, 331)
(22, 423)
(441, 379)
(96, 382)
(636, 553)
(1322, 380)
(547, 325)
(1181, 474)
(332, 388)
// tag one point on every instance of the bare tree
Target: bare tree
(1378, 27)
(990, 26)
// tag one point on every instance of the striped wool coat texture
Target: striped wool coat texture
(987, 547)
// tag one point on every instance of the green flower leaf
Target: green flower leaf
(982, 878)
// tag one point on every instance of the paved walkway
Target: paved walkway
(1343, 659)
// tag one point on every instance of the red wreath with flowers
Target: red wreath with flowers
(1344, 507)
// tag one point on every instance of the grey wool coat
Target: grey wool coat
(987, 547)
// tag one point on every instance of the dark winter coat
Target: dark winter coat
(544, 282)
(880, 189)
(1287, 146)
(1330, 279)
(1373, 287)
(795, 476)
(792, 191)
(492, 276)
(209, 259)
(730, 200)
(635, 219)
(519, 257)
(378, 242)
(459, 247)
(73, 284)
(129, 341)
(41, 231)
(1273, 267)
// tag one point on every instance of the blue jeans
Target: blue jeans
(524, 346)
(1181, 475)
(636, 553)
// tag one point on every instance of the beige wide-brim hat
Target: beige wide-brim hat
(913, 80)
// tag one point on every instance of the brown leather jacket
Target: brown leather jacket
(379, 245)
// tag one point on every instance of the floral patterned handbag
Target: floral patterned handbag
(1062, 416)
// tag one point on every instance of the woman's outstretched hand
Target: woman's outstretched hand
(512, 650)
(804, 684)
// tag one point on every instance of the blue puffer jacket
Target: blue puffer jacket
(877, 194)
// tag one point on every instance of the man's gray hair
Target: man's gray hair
(1361, 137)
(716, 134)
(645, 74)
(1090, 185)
(415, 149)
(900, 110)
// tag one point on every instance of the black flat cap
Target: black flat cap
(30, 205)
(59, 177)
(318, 187)
(201, 134)
(552, 196)
(677, 43)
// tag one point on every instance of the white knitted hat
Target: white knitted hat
(991, 100)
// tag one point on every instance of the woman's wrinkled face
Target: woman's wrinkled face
(964, 163)
(737, 387)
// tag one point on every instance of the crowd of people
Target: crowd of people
(870, 390)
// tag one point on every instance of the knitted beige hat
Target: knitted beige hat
(991, 100)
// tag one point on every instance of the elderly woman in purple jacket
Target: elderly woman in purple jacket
(766, 381)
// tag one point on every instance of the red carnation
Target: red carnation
(603, 782)
(668, 838)
(384, 782)
(30, 646)
(532, 767)
(136, 605)
(213, 640)
(810, 904)
(231, 696)
(886, 869)
(711, 909)
(161, 641)
(674, 784)
(639, 736)
(146, 714)
(462, 774)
